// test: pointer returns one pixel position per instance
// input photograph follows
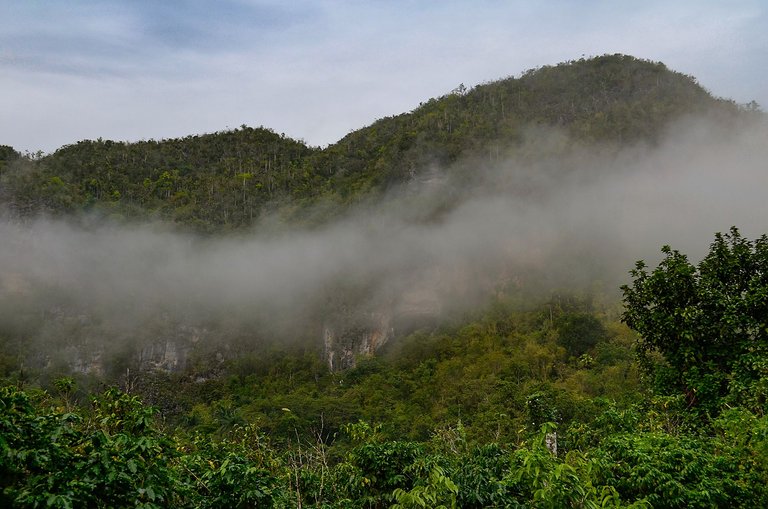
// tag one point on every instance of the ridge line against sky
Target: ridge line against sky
(316, 70)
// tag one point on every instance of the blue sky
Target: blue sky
(316, 70)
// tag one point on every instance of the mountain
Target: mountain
(617, 98)
(230, 179)
(423, 314)
(222, 179)
(387, 231)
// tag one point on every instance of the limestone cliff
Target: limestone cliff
(363, 335)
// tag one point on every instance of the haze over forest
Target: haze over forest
(536, 206)
(427, 313)
(565, 217)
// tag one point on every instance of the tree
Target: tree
(709, 322)
(579, 332)
(115, 458)
(9, 155)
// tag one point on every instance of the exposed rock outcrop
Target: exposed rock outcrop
(363, 335)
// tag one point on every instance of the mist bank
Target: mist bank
(552, 215)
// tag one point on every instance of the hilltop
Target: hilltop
(230, 179)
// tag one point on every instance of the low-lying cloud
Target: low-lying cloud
(562, 221)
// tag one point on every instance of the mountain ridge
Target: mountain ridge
(229, 179)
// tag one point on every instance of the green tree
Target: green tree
(579, 332)
(115, 458)
(709, 322)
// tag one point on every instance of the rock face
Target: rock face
(164, 355)
(416, 308)
(92, 341)
(357, 332)
(168, 354)
(363, 335)
(82, 344)
(86, 363)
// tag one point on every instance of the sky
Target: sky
(317, 70)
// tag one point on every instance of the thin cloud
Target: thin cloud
(589, 216)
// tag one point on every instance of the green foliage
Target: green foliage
(115, 456)
(229, 179)
(479, 474)
(579, 332)
(439, 493)
(541, 409)
(707, 321)
(232, 473)
(451, 407)
(745, 436)
(680, 471)
(382, 466)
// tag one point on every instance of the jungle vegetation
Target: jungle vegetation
(228, 180)
(548, 407)
(574, 400)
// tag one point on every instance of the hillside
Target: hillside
(403, 224)
(615, 99)
(230, 179)
(223, 179)
(439, 310)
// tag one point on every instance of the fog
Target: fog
(547, 216)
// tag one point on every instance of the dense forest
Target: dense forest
(449, 377)
(229, 179)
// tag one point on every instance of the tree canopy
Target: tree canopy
(708, 321)
(229, 179)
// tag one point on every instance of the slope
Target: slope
(230, 179)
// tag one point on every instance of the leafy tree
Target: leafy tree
(382, 465)
(579, 332)
(680, 471)
(115, 458)
(231, 473)
(439, 492)
(7, 156)
(709, 322)
(543, 479)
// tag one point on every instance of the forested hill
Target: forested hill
(228, 179)
(477, 358)
(220, 179)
